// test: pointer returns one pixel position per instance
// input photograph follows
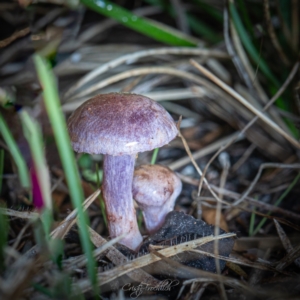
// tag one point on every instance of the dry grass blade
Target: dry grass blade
(145, 260)
(132, 57)
(170, 94)
(80, 261)
(243, 101)
(285, 241)
(261, 264)
(254, 83)
(187, 149)
(273, 34)
(261, 168)
(205, 150)
(118, 258)
(19, 214)
(139, 72)
(279, 92)
(236, 59)
(18, 279)
(247, 263)
(289, 259)
(225, 162)
(206, 276)
(237, 196)
(64, 226)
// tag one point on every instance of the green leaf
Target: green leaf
(15, 153)
(153, 29)
(56, 117)
(262, 65)
(210, 10)
(199, 27)
(244, 36)
(283, 195)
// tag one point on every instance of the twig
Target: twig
(261, 168)
(187, 149)
(205, 150)
(14, 36)
(234, 195)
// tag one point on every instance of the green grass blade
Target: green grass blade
(203, 29)
(195, 24)
(285, 106)
(33, 134)
(262, 65)
(252, 222)
(15, 153)
(52, 104)
(210, 10)
(283, 195)
(154, 156)
(244, 36)
(245, 17)
(285, 9)
(153, 29)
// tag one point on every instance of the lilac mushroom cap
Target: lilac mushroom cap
(119, 126)
(155, 189)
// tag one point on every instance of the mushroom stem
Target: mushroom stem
(117, 194)
(154, 217)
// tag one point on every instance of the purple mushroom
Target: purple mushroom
(119, 126)
(155, 189)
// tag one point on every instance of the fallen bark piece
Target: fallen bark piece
(179, 228)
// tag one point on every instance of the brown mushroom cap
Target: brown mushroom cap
(120, 124)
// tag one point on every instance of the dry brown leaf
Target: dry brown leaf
(209, 216)
(58, 198)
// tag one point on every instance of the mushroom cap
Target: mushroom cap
(155, 186)
(120, 124)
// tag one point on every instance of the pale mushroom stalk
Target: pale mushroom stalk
(154, 217)
(117, 194)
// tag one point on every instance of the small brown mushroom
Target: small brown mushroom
(119, 126)
(155, 189)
